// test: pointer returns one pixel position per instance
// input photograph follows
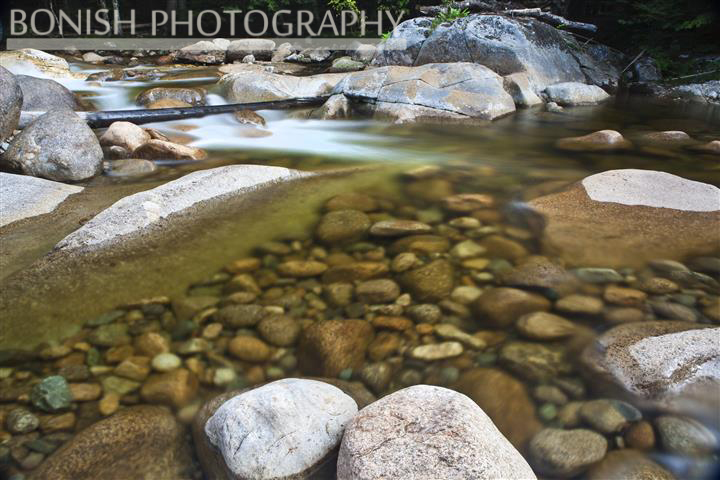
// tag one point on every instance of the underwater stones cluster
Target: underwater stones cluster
(435, 304)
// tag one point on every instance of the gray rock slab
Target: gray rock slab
(22, 196)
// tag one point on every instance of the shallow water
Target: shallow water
(513, 160)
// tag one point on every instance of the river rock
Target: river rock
(503, 44)
(660, 364)
(629, 465)
(377, 291)
(539, 273)
(639, 213)
(533, 361)
(43, 94)
(191, 96)
(345, 64)
(147, 210)
(328, 347)
(570, 94)
(518, 86)
(431, 282)
(11, 101)
(505, 400)
(544, 326)
(279, 330)
(609, 416)
(458, 91)
(335, 108)
(204, 52)
(342, 226)
(38, 63)
(437, 351)
(137, 442)
(52, 394)
(25, 197)
(252, 85)
(175, 388)
(602, 140)
(131, 167)
(124, 134)
(260, 48)
(501, 307)
(566, 453)
(21, 420)
(398, 228)
(685, 436)
(58, 146)
(285, 429)
(426, 432)
(249, 349)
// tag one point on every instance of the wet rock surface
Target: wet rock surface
(11, 101)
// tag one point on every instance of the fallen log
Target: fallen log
(555, 20)
(140, 116)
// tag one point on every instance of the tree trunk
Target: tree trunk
(116, 11)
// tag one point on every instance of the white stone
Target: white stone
(135, 213)
(425, 432)
(280, 430)
(22, 196)
(164, 362)
(124, 134)
(437, 351)
(652, 189)
(575, 93)
(261, 86)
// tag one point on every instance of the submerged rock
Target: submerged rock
(25, 197)
(566, 453)
(639, 214)
(11, 101)
(426, 432)
(662, 364)
(285, 429)
(328, 347)
(58, 146)
(458, 91)
(629, 465)
(137, 442)
(603, 140)
(145, 210)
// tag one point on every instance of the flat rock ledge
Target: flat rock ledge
(23, 197)
(427, 432)
(137, 213)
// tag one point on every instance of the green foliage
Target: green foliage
(340, 5)
(449, 14)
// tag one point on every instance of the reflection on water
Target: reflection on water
(277, 309)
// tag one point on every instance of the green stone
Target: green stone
(547, 412)
(110, 335)
(93, 357)
(118, 385)
(486, 359)
(52, 394)
(41, 446)
(345, 374)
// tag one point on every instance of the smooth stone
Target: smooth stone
(506, 401)
(437, 351)
(501, 307)
(628, 464)
(685, 436)
(42, 64)
(301, 268)
(342, 226)
(328, 347)
(539, 273)
(566, 452)
(139, 212)
(124, 134)
(377, 291)
(609, 416)
(254, 84)
(175, 388)
(249, 117)
(279, 330)
(396, 228)
(352, 201)
(431, 282)
(190, 96)
(136, 442)
(20, 421)
(240, 316)
(640, 435)
(467, 249)
(249, 349)
(575, 93)
(52, 394)
(603, 140)
(131, 167)
(580, 304)
(285, 429)
(164, 150)
(544, 326)
(26, 197)
(44, 94)
(426, 432)
(659, 364)
(57, 146)
(533, 361)
(598, 275)
(203, 52)
(638, 213)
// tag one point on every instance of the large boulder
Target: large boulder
(427, 432)
(457, 91)
(24, 197)
(260, 48)
(11, 100)
(58, 146)
(638, 215)
(285, 429)
(252, 85)
(142, 211)
(204, 52)
(211, 458)
(673, 366)
(138, 442)
(29, 61)
(505, 45)
(574, 93)
(42, 94)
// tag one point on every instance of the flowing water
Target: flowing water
(512, 160)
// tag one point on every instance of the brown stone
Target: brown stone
(85, 392)
(57, 423)
(505, 400)
(501, 307)
(640, 436)
(385, 344)
(176, 388)
(328, 347)
(350, 272)
(627, 297)
(392, 323)
(150, 344)
(162, 150)
(628, 464)
(249, 349)
(139, 442)
(430, 282)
